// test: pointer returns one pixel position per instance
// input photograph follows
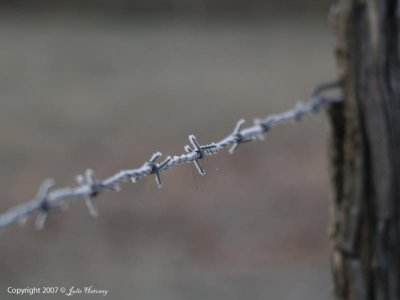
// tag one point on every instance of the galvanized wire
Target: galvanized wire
(89, 187)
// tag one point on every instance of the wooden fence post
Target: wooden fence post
(365, 158)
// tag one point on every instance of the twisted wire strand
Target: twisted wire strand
(47, 200)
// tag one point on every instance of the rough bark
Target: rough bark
(365, 228)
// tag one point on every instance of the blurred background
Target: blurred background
(104, 84)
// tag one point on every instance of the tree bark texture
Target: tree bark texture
(365, 226)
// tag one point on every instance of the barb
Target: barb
(47, 201)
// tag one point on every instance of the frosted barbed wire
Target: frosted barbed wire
(47, 201)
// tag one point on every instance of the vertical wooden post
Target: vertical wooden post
(365, 227)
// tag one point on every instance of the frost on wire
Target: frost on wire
(89, 187)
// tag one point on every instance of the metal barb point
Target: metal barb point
(92, 208)
(264, 128)
(44, 189)
(199, 150)
(196, 163)
(238, 126)
(90, 180)
(155, 156)
(155, 168)
(90, 177)
(196, 145)
(239, 138)
(43, 203)
(40, 220)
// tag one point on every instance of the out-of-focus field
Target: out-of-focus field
(80, 91)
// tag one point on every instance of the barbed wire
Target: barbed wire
(47, 200)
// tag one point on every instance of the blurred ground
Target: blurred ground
(81, 91)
